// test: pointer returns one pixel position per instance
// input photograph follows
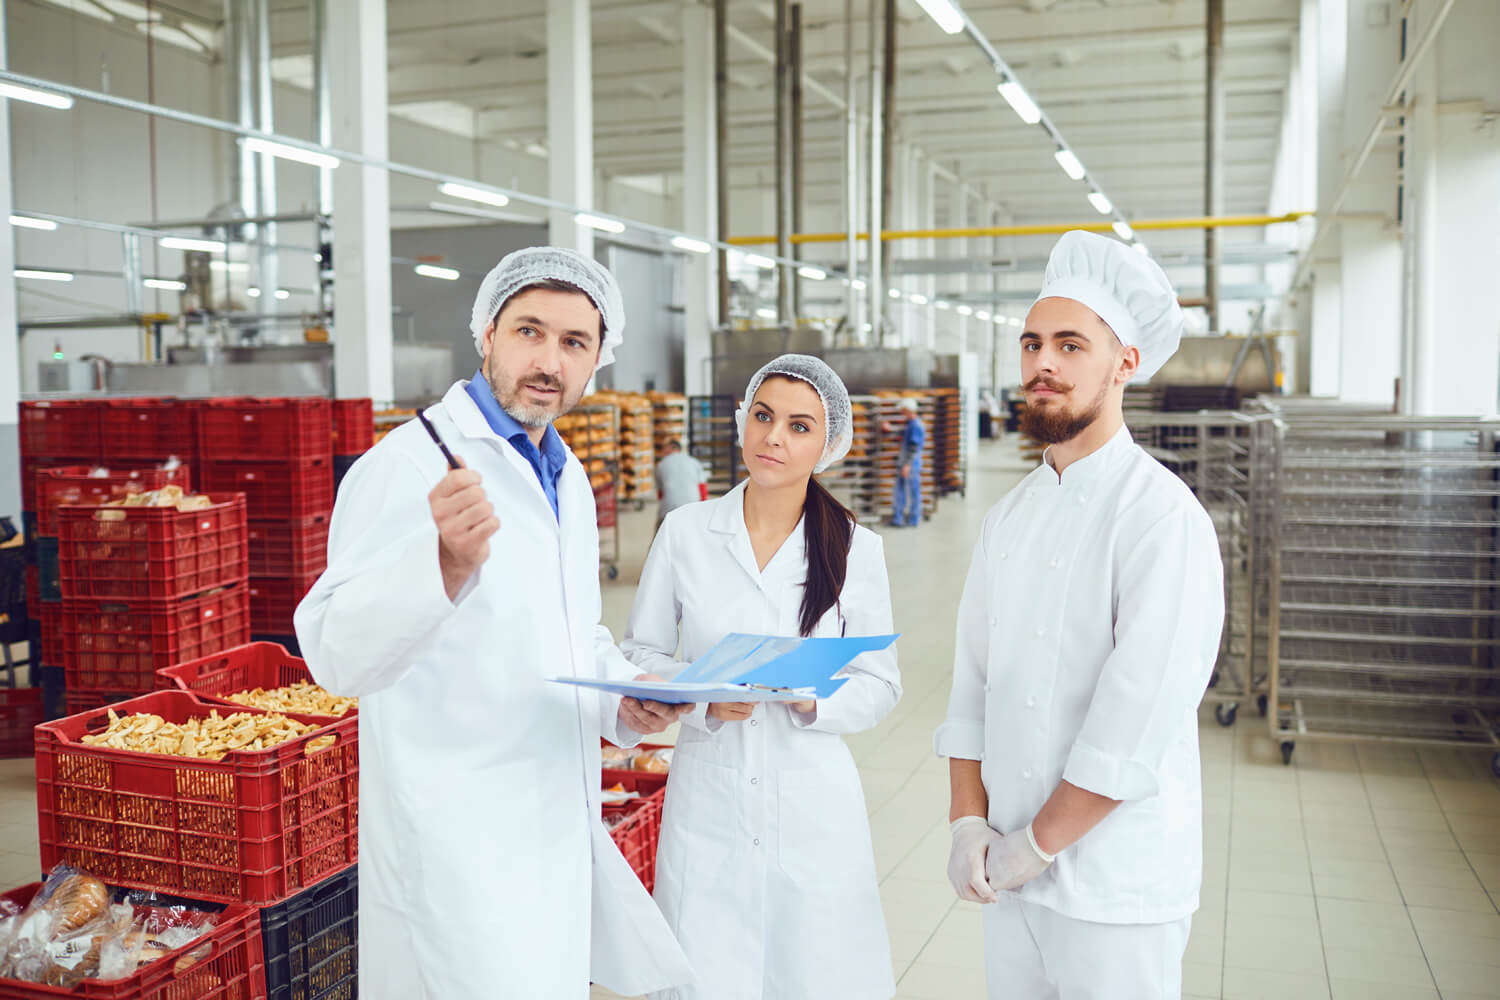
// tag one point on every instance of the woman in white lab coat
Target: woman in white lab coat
(765, 871)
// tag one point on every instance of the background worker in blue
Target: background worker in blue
(907, 502)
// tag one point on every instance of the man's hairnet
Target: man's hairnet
(1127, 289)
(907, 404)
(535, 264)
(838, 413)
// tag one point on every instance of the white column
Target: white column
(1458, 362)
(1325, 336)
(1420, 224)
(699, 197)
(928, 214)
(570, 121)
(10, 346)
(362, 347)
(1371, 311)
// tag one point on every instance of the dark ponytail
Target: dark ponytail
(828, 531)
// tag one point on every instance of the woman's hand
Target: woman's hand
(731, 711)
(804, 707)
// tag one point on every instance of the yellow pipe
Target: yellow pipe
(1048, 229)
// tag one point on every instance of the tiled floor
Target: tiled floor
(1368, 871)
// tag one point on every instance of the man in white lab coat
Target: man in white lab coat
(451, 595)
(1087, 631)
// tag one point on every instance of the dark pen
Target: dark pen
(432, 433)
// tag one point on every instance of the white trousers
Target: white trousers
(1035, 953)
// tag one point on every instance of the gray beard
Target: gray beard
(527, 416)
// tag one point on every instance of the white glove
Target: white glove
(972, 838)
(1016, 860)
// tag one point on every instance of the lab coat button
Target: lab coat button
(994, 622)
(754, 781)
(754, 722)
(1040, 631)
(1056, 563)
(1031, 703)
(1003, 555)
(1025, 774)
(757, 841)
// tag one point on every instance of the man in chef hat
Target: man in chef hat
(1087, 632)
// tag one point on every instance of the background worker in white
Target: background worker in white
(680, 480)
(766, 872)
(449, 597)
(1087, 631)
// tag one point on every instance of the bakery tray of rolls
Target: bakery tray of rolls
(73, 935)
(257, 674)
(167, 792)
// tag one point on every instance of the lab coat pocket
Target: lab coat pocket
(823, 835)
(702, 834)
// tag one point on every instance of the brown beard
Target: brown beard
(527, 416)
(1052, 424)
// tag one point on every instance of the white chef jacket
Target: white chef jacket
(678, 476)
(1087, 632)
(766, 872)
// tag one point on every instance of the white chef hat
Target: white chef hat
(533, 264)
(1127, 289)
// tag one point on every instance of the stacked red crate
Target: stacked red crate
(353, 434)
(279, 453)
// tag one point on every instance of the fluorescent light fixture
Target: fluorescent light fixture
(943, 304)
(31, 95)
(1015, 321)
(815, 273)
(859, 284)
(434, 271)
(281, 150)
(27, 222)
(536, 149)
(965, 310)
(1101, 203)
(480, 195)
(918, 299)
(757, 260)
(691, 245)
(894, 293)
(39, 275)
(188, 243)
(982, 314)
(282, 294)
(766, 313)
(1123, 230)
(599, 222)
(1070, 163)
(1020, 102)
(232, 266)
(166, 284)
(945, 13)
(253, 292)
(129, 9)
(85, 8)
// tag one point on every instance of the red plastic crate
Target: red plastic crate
(21, 711)
(233, 968)
(152, 553)
(254, 827)
(246, 428)
(96, 484)
(353, 426)
(644, 782)
(32, 467)
(119, 646)
(61, 427)
(273, 600)
(639, 832)
(244, 668)
(289, 548)
(148, 429)
(91, 701)
(284, 490)
(50, 617)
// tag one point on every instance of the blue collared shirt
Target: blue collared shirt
(547, 462)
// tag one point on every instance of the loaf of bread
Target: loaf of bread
(76, 901)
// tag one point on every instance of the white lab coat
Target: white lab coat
(1087, 632)
(765, 871)
(479, 798)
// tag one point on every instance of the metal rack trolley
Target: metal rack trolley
(1385, 596)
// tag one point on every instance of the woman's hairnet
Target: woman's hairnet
(536, 264)
(838, 414)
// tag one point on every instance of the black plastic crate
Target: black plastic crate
(289, 642)
(54, 692)
(341, 466)
(47, 561)
(312, 941)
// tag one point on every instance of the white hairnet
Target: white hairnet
(533, 264)
(838, 413)
(1128, 290)
(908, 404)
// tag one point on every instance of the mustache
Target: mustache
(540, 378)
(1054, 384)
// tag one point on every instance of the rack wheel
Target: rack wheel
(1495, 765)
(1225, 713)
(613, 572)
(1287, 746)
(1261, 703)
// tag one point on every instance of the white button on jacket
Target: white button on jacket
(1133, 618)
(795, 912)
